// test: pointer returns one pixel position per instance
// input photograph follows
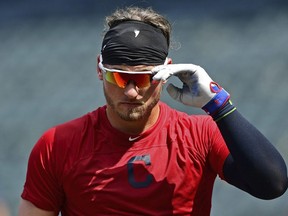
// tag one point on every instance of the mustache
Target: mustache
(132, 101)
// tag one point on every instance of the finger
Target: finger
(158, 68)
(161, 73)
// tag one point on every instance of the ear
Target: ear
(169, 61)
(99, 72)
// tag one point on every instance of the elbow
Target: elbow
(268, 187)
(279, 183)
(276, 189)
(276, 182)
(281, 187)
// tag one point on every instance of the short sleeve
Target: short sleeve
(218, 151)
(42, 186)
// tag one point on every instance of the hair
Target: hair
(147, 15)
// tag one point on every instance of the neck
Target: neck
(133, 127)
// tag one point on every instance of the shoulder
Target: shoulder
(178, 117)
(198, 134)
(191, 129)
(70, 139)
(78, 125)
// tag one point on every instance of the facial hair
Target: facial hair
(134, 114)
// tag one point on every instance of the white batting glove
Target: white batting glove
(198, 88)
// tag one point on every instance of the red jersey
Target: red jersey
(87, 167)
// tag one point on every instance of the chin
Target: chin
(132, 115)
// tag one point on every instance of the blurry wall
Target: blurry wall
(47, 74)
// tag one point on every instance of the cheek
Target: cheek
(157, 93)
(155, 90)
(111, 89)
(158, 87)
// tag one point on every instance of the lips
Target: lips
(138, 103)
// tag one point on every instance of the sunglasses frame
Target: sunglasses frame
(105, 70)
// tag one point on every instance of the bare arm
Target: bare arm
(28, 209)
(4, 211)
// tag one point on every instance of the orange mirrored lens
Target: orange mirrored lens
(121, 79)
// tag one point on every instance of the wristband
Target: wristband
(218, 101)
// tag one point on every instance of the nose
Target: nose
(131, 90)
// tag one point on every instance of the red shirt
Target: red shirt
(86, 167)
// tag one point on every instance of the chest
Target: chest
(134, 178)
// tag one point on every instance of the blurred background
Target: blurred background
(47, 74)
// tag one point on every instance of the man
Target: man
(136, 155)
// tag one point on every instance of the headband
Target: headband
(134, 43)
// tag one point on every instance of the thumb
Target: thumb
(174, 92)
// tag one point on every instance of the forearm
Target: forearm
(262, 170)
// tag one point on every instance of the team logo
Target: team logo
(133, 138)
(136, 31)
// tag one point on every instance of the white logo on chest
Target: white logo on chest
(133, 138)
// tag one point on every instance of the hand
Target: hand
(198, 88)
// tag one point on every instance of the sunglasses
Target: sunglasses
(121, 78)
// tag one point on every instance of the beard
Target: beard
(136, 113)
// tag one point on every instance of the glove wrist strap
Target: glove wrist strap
(218, 101)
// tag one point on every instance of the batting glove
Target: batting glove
(198, 89)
